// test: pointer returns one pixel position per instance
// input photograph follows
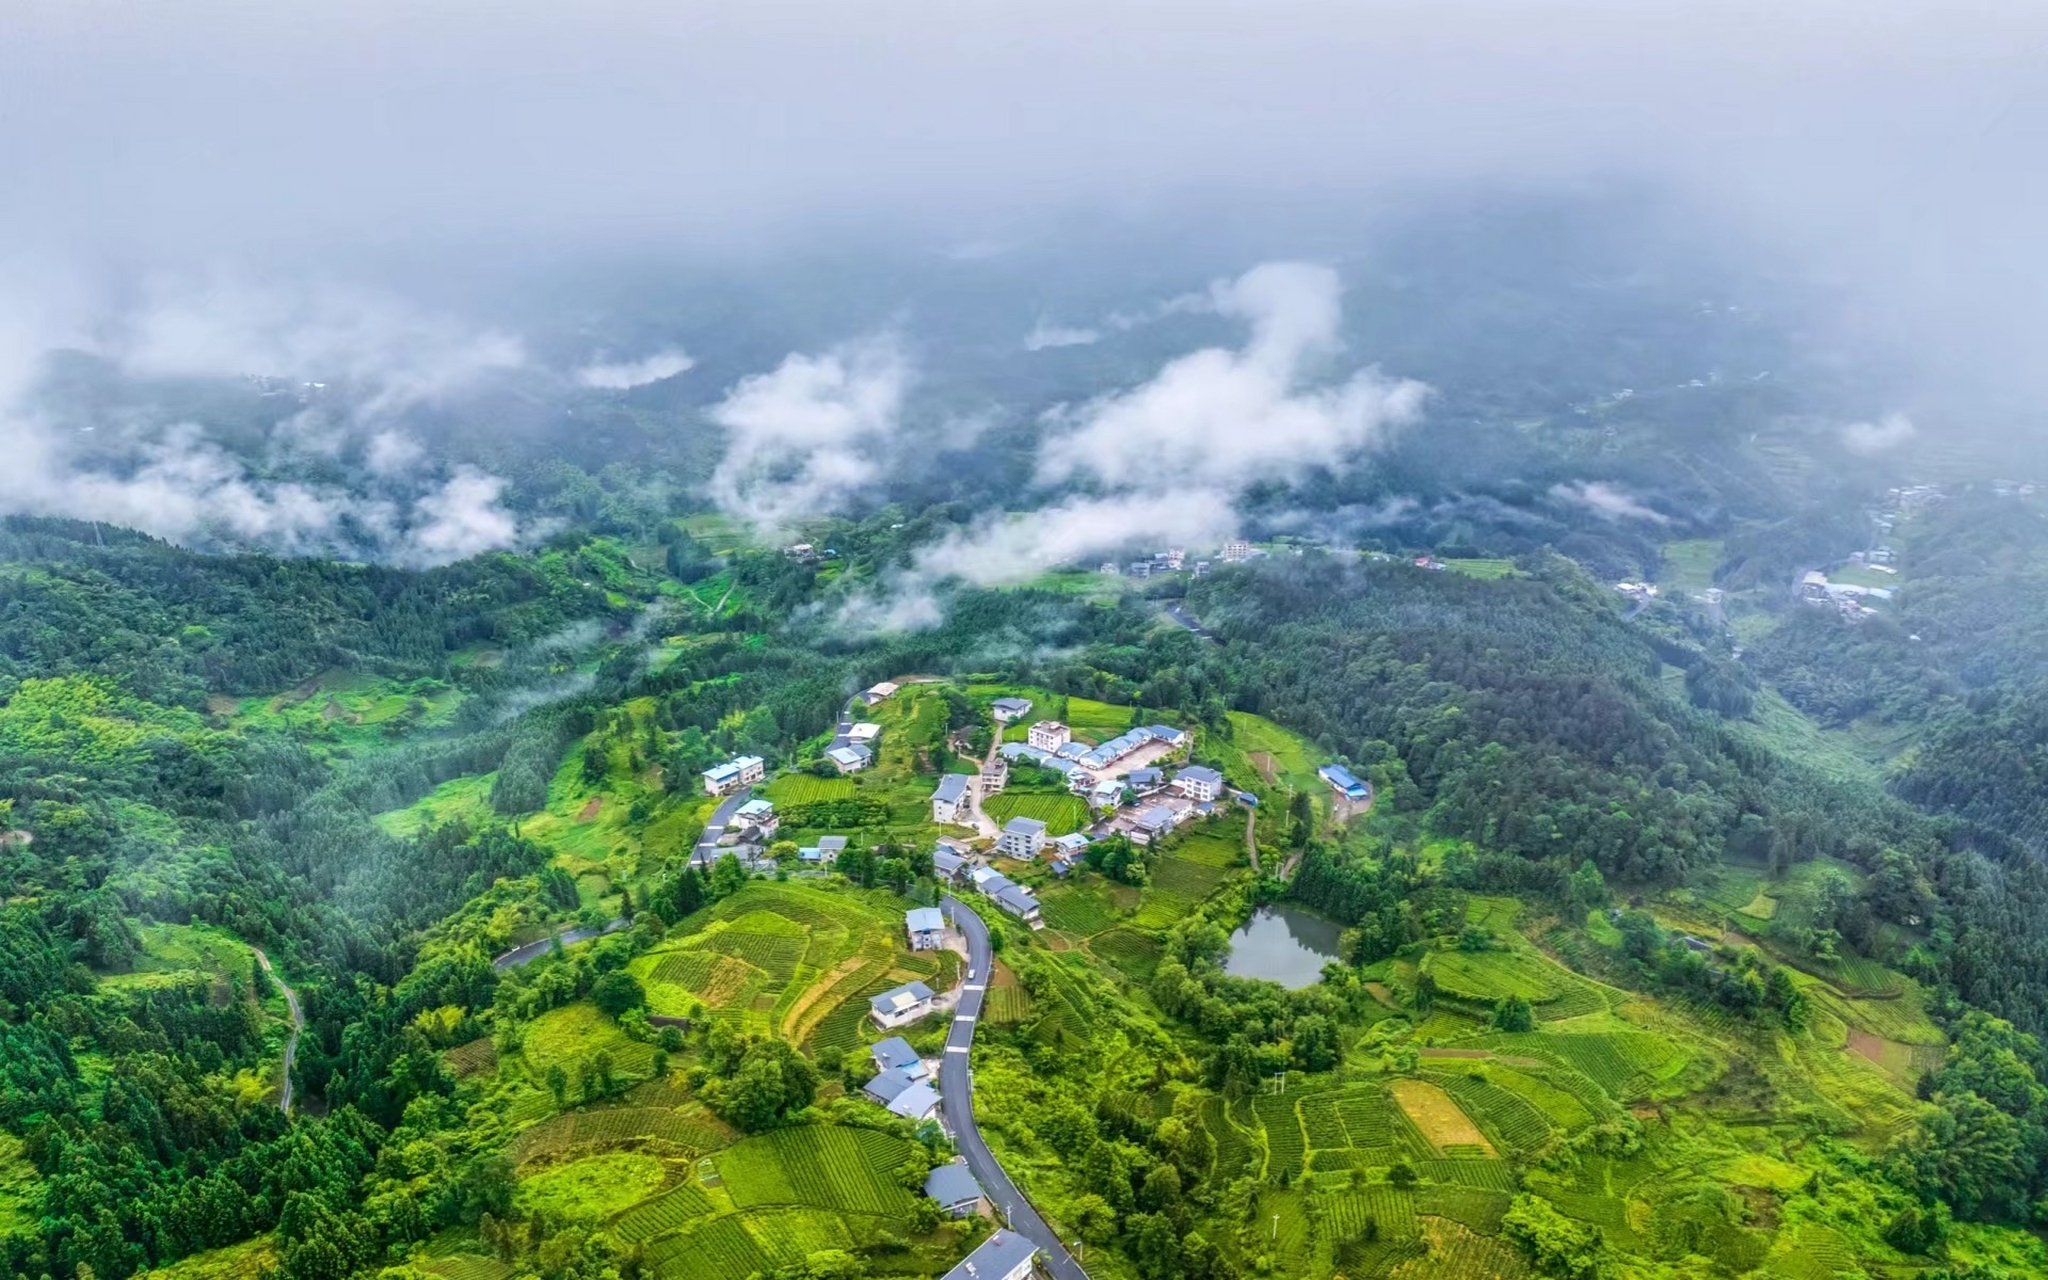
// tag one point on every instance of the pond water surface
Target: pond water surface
(1283, 944)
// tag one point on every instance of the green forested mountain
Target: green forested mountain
(1617, 984)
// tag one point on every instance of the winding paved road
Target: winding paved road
(568, 937)
(706, 851)
(956, 1089)
(1178, 611)
(291, 1046)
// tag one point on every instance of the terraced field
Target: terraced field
(1060, 812)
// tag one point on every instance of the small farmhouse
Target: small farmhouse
(900, 1006)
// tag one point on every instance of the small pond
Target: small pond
(1283, 944)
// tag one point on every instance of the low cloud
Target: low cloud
(1869, 439)
(1606, 501)
(1049, 337)
(184, 487)
(1229, 418)
(808, 436)
(625, 375)
(1165, 463)
(387, 354)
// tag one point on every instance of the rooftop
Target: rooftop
(887, 1085)
(893, 1052)
(952, 1184)
(918, 1100)
(999, 1255)
(897, 999)
(951, 787)
(1024, 827)
(1200, 773)
(924, 920)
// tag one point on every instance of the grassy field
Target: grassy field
(350, 709)
(1688, 564)
(1061, 813)
(594, 1187)
(245, 1261)
(1485, 570)
(468, 799)
(17, 1184)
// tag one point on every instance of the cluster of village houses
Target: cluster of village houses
(1175, 560)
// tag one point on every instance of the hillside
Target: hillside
(1596, 981)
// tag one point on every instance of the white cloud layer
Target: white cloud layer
(625, 375)
(390, 354)
(1051, 337)
(807, 436)
(380, 356)
(1166, 461)
(1872, 438)
(1608, 501)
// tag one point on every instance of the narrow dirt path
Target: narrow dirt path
(1251, 838)
(291, 1046)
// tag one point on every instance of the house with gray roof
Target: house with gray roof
(1005, 1255)
(949, 800)
(947, 865)
(895, 1054)
(918, 1102)
(1017, 900)
(954, 1189)
(851, 758)
(900, 1006)
(1153, 823)
(1199, 782)
(1011, 710)
(1022, 838)
(924, 926)
(887, 1085)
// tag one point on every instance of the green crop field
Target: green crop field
(1060, 812)
(595, 1187)
(1485, 570)
(802, 788)
(1096, 721)
(1489, 975)
(1135, 953)
(1077, 909)
(829, 1168)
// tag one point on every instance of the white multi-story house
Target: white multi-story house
(949, 802)
(1236, 550)
(1022, 839)
(740, 771)
(1199, 783)
(1049, 735)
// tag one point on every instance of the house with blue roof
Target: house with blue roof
(1344, 783)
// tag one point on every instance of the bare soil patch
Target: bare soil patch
(1268, 768)
(1866, 1045)
(591, 810)
(1439, 1118)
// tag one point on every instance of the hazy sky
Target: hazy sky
(220, 124)
(1893, 146)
